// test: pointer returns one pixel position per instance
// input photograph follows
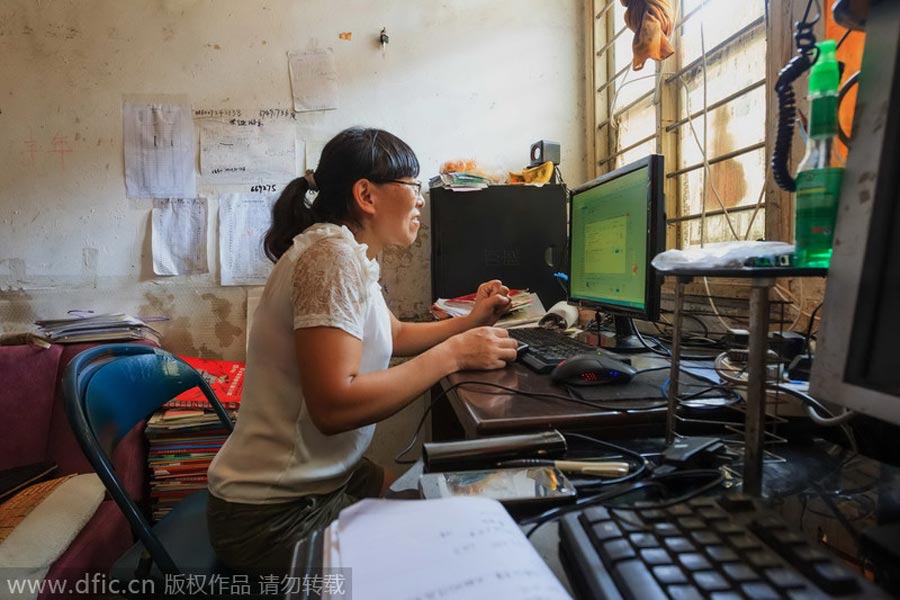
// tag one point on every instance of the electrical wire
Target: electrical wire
(814, 408)
(695, 318)
(797, 304)
(663, 350)
(789, 296)
(724, 368)
(656, 481)
(713, 304)
(734, 396)
(851, 81)
(702, 148)
(641, 463)
(715, 474)
(555, 513)
(618, 407)
(809, 326)
(707, 175)
(398, 459)
(759, 201)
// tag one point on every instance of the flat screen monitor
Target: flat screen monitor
(856, 363)
(617, 226)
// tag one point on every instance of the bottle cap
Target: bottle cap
(825, 75)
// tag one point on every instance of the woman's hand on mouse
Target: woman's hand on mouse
(482, 348)
(491, 302)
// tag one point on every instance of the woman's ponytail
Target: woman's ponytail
(290, 216)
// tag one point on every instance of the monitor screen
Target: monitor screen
(615, 233)
(855, 362)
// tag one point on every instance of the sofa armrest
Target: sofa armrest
(29, 376)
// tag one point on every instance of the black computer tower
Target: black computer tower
(513, 233)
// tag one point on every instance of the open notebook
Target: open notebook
(452, 548)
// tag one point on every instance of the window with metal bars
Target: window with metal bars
(704, 108)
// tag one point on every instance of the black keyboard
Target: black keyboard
(547, 348)
(725, 548)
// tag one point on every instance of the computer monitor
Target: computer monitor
(616, 227)
(855, 363)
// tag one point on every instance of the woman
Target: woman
(317, 376)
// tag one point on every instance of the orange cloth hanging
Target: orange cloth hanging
(652, 22)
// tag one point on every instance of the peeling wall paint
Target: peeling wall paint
(458, 79)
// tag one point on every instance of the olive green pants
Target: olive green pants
(260, 538)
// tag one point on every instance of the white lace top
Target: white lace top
(276, 453)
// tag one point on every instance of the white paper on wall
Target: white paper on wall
(179, 236)
(314, 153)
(314, 80)
(258, 152)
(159, 149)
(243, 222)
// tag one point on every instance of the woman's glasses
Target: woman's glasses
(415, 185)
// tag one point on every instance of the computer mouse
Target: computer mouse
(592, 369)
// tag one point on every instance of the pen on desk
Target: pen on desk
(583, 467)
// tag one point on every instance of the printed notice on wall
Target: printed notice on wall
(314, 153)
(179, 236)
(243, 222)
(159, 149)
(254, 153)
(314, 80)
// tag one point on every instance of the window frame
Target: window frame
(778, 25)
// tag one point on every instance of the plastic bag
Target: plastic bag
(725, 255)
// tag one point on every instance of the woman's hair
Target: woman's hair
(353, 154)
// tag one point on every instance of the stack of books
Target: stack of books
(186, 434)
(96, 328)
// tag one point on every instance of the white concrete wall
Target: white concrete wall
(459, 78)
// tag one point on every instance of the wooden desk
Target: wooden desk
(490, 411)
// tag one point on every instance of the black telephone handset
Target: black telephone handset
(805, 40)
(847, 13)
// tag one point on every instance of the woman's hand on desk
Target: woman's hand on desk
(483, 348)
(491, 302)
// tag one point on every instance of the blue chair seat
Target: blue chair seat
(184, 534)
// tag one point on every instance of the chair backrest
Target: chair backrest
(108, 390)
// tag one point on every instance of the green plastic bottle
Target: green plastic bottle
(821, 172)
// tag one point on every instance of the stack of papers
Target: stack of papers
(452, 548)
(460, 182)
(526, 308)
(97, 328)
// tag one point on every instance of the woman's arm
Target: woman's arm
(412, 338)
(491, 301)
(340, 399)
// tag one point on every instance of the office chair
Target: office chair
(108, 390)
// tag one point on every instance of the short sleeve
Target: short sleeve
(329, 288)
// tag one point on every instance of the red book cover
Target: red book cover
(225, 377)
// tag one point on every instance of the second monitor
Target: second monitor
(617, 226)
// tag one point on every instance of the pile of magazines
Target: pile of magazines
(185, 434)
